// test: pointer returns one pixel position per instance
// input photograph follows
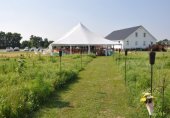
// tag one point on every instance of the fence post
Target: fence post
(81, 56)
(152, 62)
(60, 55)
(126, 53)
(163, 95)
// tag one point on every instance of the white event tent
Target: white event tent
(81, 36)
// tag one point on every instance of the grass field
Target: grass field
(138, 81)
(30, 82)
(98, 93)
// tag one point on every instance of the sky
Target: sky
(53, 18)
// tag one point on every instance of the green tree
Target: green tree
(8, 39)
(46, 43)
(50, 42)
(16, 39)
(2, 40)
(25, 44)
(164, 42)
(35, 41)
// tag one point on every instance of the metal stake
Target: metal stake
(125, 70)
(163, 95)
(119, 55)
(151, 77)
(60, 64)
(81, 57)
(152, 61)
(126, 53)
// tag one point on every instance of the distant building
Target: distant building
(132, 38)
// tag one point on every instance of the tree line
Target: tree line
(9, 39)
(13, 40)
(164, 42)
(36, 41)
(161, 45)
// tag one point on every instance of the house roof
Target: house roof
(121, 34)
(81, 35)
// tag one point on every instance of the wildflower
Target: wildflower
(148, 100)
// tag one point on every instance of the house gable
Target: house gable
(121, 34)
(140, 38)
(134, 37)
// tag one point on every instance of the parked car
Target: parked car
(26, 49)
(33, 49)
(16, 49)
(9, 49)
(40, 49)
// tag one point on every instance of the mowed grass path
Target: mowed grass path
(98, 93)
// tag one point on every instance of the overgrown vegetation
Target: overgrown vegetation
(138, 82)
(28, 81)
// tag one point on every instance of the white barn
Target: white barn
(132, 38)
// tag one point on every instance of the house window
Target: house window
(144, 34)
(136, 34)
(127, 42)
(136, 43)
(144, 43)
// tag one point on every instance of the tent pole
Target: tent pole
(88, 49)
(70, 49)
(51, 50)
(107, 50)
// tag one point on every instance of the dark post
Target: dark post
(163, 94)
(126, 53)
(81, 56)
(119, 54)
(60, 54)
(152, 62)
(151, 77)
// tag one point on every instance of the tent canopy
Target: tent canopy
(81, 36)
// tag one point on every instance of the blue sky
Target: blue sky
(53, 18)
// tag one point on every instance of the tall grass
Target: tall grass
(28, 81)
(138, 81)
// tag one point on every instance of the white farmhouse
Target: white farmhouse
(132, 38)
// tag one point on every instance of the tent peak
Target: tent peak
(80, 25)
(81, 35)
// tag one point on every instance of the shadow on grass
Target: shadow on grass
(55, 100)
